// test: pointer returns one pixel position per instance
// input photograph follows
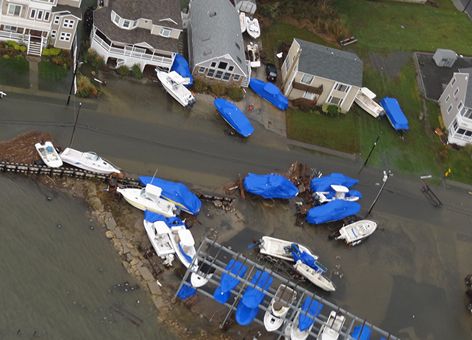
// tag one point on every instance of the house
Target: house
(144, 32)
(321, 74)
(216, 47)
(444, 58)
(456, 107)
(39, 23)
(246, 6)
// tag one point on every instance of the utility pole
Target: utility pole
(76, 68)
(75, 124)
(370, 152)
(386, 176)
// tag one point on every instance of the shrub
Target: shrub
(85, 88)
(235, 93)
(199, 86)
(52, 51)
(15, 46)
(123, 70)
(93, 59)
(218, 90)
(6, 56)
(136, 72)
(333, 110)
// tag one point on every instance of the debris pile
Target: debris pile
(21, 148)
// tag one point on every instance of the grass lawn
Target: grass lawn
(378, 26)
(14, 72)
(53, 77)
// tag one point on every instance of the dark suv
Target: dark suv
(271, 72)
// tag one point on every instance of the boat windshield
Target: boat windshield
(92, 156)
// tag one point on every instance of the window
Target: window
(213, 64)
(231, 68)
(32, 14)
(226, 76)
(453, 81)
(116, 19)
(126, 23)
(56, 20)
(449, 108)
(287, 64)
(460, 131)
(9, 28)
(308, 95)
(467, 113)
(218, 74)
(46, 16)
(201, 70)
(460, 106)
(236, 77)
(222, 65)
(53, 34)
(342, 87)
(456, 92)
(40, 15)
(468, 133)
(68, 23)
(454, 125)
(165, 32)
(211, 72)
(306, 79)
(447, 98)
(335, 100)
(65, 36)
(237, 45)
(239, 60)
(14, 10)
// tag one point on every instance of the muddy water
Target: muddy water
(60, 277)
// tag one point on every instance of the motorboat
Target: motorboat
(148, 198)
(337, 192)
(270, 186)
(159, 235)
(242, 21)
(365, 99)
(253, 55)
(332, 211)
(174, 84)
(281, 249)
(279, 307)
(234, 117)
(315, 276)
(395, 114)
(356, 232)
(229, 280)
(361, 332)
(48, 154)
(253, 28)
(331, 329)
(89, 161)
(180, 65)
(269, 92)
(305, 319)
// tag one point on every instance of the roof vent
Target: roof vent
(212, 14)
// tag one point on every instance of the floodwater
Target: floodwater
(60, 276)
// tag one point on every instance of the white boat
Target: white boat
(253, 55)
(88, 161)
(253, 28)
(48, 154)
(333, 326)
(148, 198)
(314, 276)
(280, 248)
(279, 307)
(354, 233)
(365, 99)
(340, 193)
(159, 235)
(174, 85)
(242, 21)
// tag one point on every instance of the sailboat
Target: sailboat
(279, 307)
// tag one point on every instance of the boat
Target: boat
(361, 332)
(356, 232)
(280, 248)
(315, 276)
(332, 211)
(279, 307)
(337, 192)
(394, 113)
(180, 65)
(269, 92)
(305, 319)
(323, 183)
(229, 282)
(174, 84)
(234, 117)
(89, 161)
(148, 198)
(331, 329)
(253, 28)
(365, 99)
(242, 21)
(159, 235)
(270, 186)
(253, 55)
(248, 307)
(48, 154)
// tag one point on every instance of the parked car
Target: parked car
(271, 72)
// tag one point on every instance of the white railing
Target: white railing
(12, 35)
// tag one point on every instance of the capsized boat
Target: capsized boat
(279, 307)
(234, 117)
(354, 233)
(253, 28)
(253, 55)
(48, 154)
(228, 282)
(305, 319)
(148, 198)
(174, 84)
(242, 21)
(281, 249)
(365, 99)
(332, 328)
(269, 92)
(89, 161)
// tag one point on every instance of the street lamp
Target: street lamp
(370, 153)
(76, 68)
(386, 175)
(75, 124)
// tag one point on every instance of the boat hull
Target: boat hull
(184, 98)
(49, 155)
(314, 277)
(133, 197)
(355, 232)
(79, 160)
(274, 247)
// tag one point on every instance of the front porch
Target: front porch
(34, 40)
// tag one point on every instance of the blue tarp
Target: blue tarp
(306, 258)
(360, 332)
(186, 292)
(170, 221)
(270, 186)
(324, 183)
(332, 211)
(234, 117)
(223, 291)
(180, 66)
(269, 92)
(395, 114)
(310, 310)
(176, 193)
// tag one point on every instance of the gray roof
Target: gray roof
(445, 53)
(72, 10)
(330, 63)
(468, 93)
(154, 10)
(215, 31)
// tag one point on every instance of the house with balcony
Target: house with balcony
(216, 47)
(456, 107)
(321, 75)
(144, 32)
(39, 23)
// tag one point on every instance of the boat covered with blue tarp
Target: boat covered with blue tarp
(180, 65)
(170, 221)
(175, 192)
(269, 92)
(395, 114)
(361, 332)
(311, 308)
(270, 186)
(228, 282)
(234, 117)
(332, 211)
(323, 183)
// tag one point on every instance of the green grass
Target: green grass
(378, 26)
(53, 77)
(14, 72)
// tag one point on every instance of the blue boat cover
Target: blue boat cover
(269, 92)
(395, 114)
(270, 186)
(354, 193)
(234, 117)
(332, 211)
(180, 66)
(186, 292)
(310, 310)
(360, 332)
(175, 192)
(170, 221)
(306, 258)
(223, 291)
(323, 183)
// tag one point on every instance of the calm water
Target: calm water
(58, 276)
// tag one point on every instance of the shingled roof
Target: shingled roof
(468, 93)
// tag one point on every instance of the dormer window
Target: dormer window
(126, 23)
(165, 32)
(123, 23)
